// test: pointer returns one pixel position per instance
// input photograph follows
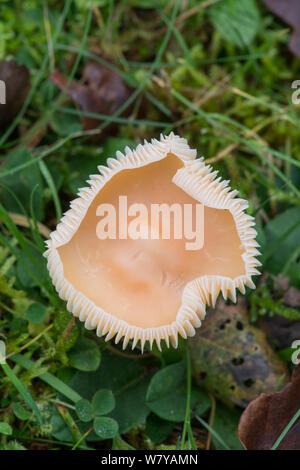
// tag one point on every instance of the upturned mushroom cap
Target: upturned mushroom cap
(152, 289)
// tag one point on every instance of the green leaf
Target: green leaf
(261, 237)
(48, 378)
(125, 378)
(158, 429)
(20, 412)
(103, 402)
(293, 272)
(226, 425)
(114, 144)
(36, 312)
(106, 428)
(84, 410)
(166, 395)
(23, 275)
(237, 21)
(205, 403)
(283, 239)
(59, 428)
(80, 169)
(31, 270)
(5, 429)
(85, 355)
(22, 182)
(71, 125)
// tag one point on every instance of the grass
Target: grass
(286, 430)
(232, 103)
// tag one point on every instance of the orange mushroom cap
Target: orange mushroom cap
(152, 289)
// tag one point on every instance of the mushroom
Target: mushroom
(152, 288)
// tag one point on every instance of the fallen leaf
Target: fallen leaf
(101, 91)
(292, 297)
(268, 415)
(232, 359)
(280, 331)
(280, 282)
(289, 12)
(17, 85)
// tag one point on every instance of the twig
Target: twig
(68, 329)
(33, 340)
(252, 132)
(21, 220)
(194, 11)
(184, 16)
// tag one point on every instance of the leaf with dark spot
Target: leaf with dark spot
(101, 91)
(17, 85)
(267, 416)
(280, 331)
(231, 358)
(289, 12)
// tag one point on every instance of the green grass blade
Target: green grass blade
(258, 150)
(286, 430)
(213, 432)
(48, 378)
(48, 178)
(109, 119)
(22, 391)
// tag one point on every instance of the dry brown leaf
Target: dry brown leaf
(16, 79)
(289, 12)
(268, 415)
(292, 297)
(22, 221)
(101, 91)
(280, 331)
